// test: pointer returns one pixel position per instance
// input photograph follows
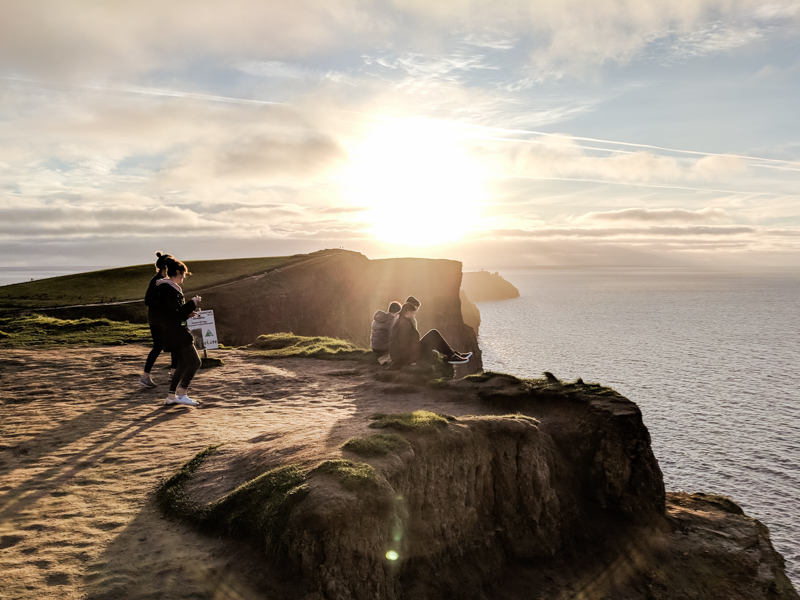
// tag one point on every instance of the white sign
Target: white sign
(204, 330)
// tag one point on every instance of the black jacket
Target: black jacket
(150, 299)
(172, 310)
(403, 343)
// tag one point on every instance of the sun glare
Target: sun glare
(419, 183)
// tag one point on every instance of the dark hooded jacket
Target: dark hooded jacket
(381, 326)
(150, 299)
(172, 310)
(404, 343)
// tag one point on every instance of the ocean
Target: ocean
(710, 357)
(9, 275)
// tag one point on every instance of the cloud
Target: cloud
(659, 215)
(650, 232)
(257, 157)
(282, 70)
(564, 157)
(84, 38)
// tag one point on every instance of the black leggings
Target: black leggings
(188, 363)
(158, 346)
(433, 340)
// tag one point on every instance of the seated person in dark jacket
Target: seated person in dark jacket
(173, 310)
(406, 347)
(382, 323)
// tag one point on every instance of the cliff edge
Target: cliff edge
(535, 485)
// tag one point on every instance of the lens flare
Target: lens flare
(392, 555)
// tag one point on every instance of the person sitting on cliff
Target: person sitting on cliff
(406, 347)
(382, 323)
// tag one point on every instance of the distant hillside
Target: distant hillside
(328, 293)
(126, 283)
(481, 286)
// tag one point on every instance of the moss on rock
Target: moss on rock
(352, 475)
(376, 445)
(288, 345)
(419, 420)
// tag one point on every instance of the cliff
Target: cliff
(481, 286)
(538, 485)
(329, 293)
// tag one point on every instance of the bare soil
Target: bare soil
(83, 447)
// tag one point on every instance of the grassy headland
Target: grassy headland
(126, 283)
(31, 330)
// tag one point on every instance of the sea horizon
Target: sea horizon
(709, 356)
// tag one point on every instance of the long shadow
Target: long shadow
(35, 487)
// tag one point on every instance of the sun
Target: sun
(418, 182)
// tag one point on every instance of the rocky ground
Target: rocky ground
(83, 448)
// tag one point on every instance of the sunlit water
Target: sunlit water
(9, 275)
(710, 357)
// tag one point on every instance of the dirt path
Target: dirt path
(82, 448)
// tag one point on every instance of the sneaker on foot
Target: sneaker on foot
(186, 400)
(457, 359)
(464, 354)
(146, 381)
(173, 400)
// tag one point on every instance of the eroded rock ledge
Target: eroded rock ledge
(556, 495)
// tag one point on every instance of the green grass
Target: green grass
(33, 330)
(419, 420)
(376, 445)
(351, 475)
(171, 495)
(288, 345)
(126, 283)
(209, 362)
(258, 509)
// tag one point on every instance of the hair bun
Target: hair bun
(159, 255)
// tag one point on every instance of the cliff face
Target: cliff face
(329, 293)
(335, 293)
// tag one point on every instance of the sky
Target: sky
(502, 134)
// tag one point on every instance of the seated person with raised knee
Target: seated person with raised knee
(406, 347)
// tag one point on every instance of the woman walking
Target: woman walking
(152, 320)
(173, 310)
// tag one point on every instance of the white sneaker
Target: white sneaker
(186, 400)
(172, 400)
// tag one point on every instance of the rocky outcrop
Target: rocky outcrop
(470, 313)
(552, 486)
(481, 286)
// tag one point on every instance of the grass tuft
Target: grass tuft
(26, 330)
(209, 362)
(379, 444)
(259, 508)
(352, 475)
(419, 420)
(171, 495)
(288, 345)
